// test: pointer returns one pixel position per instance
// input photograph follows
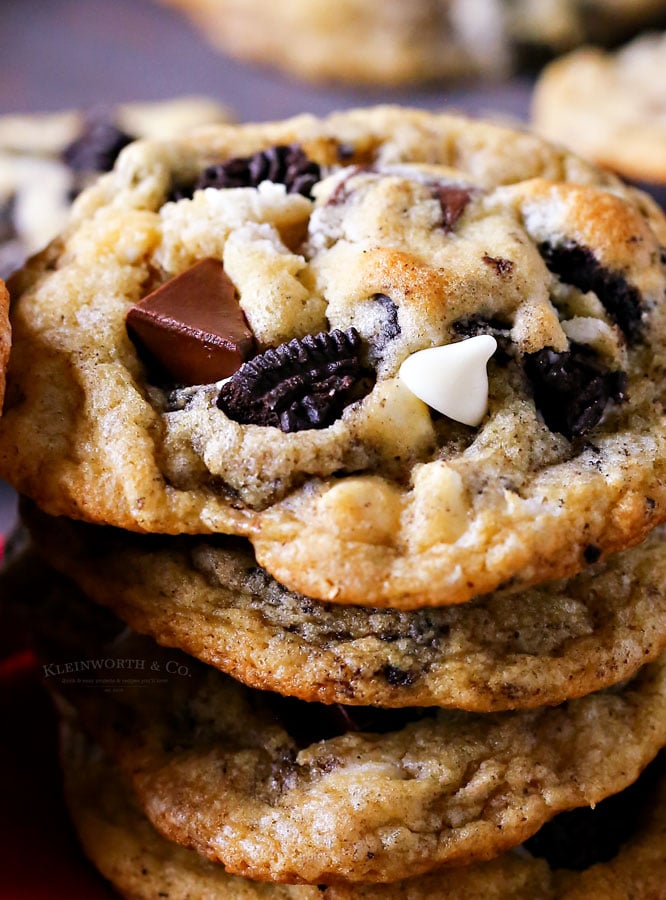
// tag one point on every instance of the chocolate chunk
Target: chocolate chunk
(97, 147)
(303, 384)
(572, 389)
(309, 723)
(193, 325)
(453, 201)
(286, 165)
(578, 266)
(583, 837)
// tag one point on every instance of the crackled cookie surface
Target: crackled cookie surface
(141, 864)
(327, 254)
(211, 599)
(284, 791)
(610, 107)
(46, 159)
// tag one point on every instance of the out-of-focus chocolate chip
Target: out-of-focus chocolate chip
(97, 147)
(572, 389)
(283, 164)
(453, 201)
(583, 837)
(193, 325)
(303, 384)
(579, 267)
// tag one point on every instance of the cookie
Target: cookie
(209, 598)
(610, 107)
(283, 791)
(5, 337)
(394, 43)
(46, 159)
(320, 448)
(141, 864)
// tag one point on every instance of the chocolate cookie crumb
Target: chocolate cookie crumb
(572, 390)
(578, 266)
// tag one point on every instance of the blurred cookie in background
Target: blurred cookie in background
(611, 108)
(396, 42)
(47, 159)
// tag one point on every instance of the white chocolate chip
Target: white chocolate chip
(452, 379)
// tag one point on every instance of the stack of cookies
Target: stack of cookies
(345, 452)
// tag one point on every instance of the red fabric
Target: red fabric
(39, 855)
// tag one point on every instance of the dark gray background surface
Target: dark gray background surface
(59, 54)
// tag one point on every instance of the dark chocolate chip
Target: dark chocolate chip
(592, 554)
(286, 165)
(580, 838)
(572, 389)
(193, 325)
(579, 267)
(97, 147)
(303, 384)
(453, 201)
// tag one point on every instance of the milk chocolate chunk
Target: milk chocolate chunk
(193, 326)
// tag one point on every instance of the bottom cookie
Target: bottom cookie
(286, 791)
(143, 865)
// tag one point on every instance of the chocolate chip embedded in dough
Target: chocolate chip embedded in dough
(453, 201)
(305, 383)
(193, 326)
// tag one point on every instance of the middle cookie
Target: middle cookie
(210, 598)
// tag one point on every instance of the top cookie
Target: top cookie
(611, 107)
(424, 231)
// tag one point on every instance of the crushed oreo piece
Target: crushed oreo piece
(453, 202)
(308, 723)
(97, 147)
(581, 838)
(385, 327)
(303, 384)
(572, 389)
(579, 267)
(475, 325)
(283, 164)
